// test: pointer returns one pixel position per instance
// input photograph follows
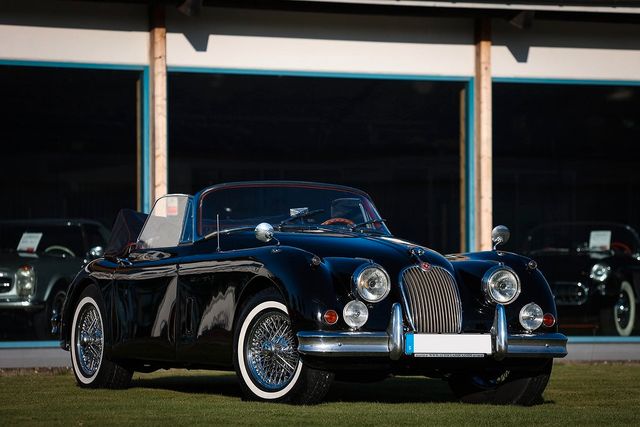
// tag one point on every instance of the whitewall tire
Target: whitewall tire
(266, 357)
(88, 361)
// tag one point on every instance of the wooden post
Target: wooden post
(483, 141)
(463, 170)
(158, 104)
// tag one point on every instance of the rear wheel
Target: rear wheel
(266, 356)
(502, 386)
(621, 318)
(90, 367)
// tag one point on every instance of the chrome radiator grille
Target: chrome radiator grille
(432, 300)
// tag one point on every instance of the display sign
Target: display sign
(29, 242)
(600, 240)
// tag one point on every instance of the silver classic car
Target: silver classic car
(38, 260)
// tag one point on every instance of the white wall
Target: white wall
(64, 31)
(116, 33)
(567, 50)
(316, 42)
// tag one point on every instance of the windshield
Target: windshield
(287, 205)
(570, 238)
(41, 238)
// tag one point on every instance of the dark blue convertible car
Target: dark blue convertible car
(293, 284)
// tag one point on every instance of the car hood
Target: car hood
(11, 260)
(384, 250)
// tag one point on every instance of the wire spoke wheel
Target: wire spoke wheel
(271, 351)
(89, 340)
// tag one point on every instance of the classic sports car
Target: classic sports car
(594, 272)
(294, 283)
(38, 260)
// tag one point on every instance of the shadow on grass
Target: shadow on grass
(392, 390)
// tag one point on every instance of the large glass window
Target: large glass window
(69, 144)
(398, 140)
(565, 153)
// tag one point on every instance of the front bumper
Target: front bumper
(394, 342)
(11, 304)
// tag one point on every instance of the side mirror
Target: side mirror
(500, 235)
(95, 252)
(264, 232)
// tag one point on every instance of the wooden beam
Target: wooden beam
(483, 141)
(463, 169)
(158, 104)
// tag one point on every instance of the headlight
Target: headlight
(25, 281)
(501, 285)
(600, 272)
(372, 283)
(355, 314)
(531, 316)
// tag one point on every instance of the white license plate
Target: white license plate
(447, 345)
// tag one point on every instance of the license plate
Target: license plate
(447, 345)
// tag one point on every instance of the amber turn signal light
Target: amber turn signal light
(330, 317)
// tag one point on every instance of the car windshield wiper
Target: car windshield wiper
(362, 224)
(300, 216)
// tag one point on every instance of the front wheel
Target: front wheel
(266, 358)
(90, 367)
(621, 318)
(502, 386)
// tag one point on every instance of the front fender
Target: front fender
(471, 267)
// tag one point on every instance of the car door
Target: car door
(145, 285)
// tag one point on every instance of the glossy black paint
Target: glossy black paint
(178, 306)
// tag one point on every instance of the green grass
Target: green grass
(578, 394)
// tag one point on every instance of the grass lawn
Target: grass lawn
(578, 394)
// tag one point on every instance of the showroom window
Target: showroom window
(398, 140)
(565, 153)
(69, 151)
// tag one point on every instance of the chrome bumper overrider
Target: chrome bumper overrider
(392, 342)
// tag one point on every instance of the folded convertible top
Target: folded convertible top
(126, 229)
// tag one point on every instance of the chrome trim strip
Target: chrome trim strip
(405, 301)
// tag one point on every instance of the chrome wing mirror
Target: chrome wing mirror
(500, 235)
(264, 232)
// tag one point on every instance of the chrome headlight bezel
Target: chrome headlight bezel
(489, 282)
(599, 272)
(360, 285)
(26, 281)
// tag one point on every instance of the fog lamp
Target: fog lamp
(355, 314)
(531, 316)
(25, 281)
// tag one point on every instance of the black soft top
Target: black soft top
(125, 231)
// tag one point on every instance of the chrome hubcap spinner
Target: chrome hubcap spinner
(271, 354)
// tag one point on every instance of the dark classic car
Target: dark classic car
(38, 260)
(293, 284)
(594, 272)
